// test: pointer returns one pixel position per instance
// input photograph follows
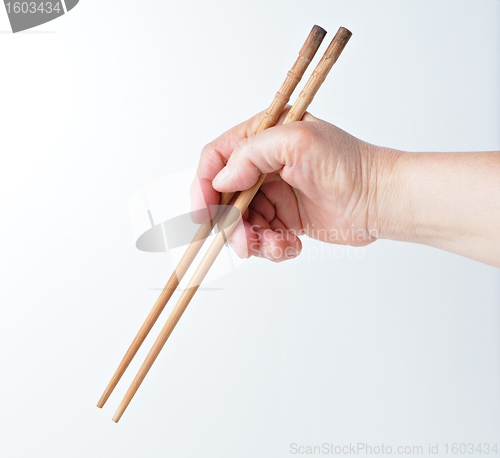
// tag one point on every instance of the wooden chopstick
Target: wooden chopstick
(295, 114)
(306, 54)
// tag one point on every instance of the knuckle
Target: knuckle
(301, 135)
(308, 117)
(207, 148)
(300, 130)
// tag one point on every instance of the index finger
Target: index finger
(213, 159)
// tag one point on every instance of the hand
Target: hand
(320, 181)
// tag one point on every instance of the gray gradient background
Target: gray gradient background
(401, 347)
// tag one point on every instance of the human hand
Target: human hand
(320, 182)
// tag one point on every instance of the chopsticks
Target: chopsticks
(245, 197)
(306, 54)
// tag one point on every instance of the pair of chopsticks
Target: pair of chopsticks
(296, 113)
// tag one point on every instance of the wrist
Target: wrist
(389, 215)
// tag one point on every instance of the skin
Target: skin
(324, 183)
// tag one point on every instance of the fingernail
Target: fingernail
(221, 176)
(291, 252)
(268, 251)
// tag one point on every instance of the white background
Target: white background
(400, 347)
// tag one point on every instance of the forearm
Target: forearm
(449, 201)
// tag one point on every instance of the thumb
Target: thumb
(264, 152)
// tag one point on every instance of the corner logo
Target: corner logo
(29, 14)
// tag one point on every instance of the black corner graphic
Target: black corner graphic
(25, 15)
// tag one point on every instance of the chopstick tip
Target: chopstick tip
(102, 401)
(117, 416)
